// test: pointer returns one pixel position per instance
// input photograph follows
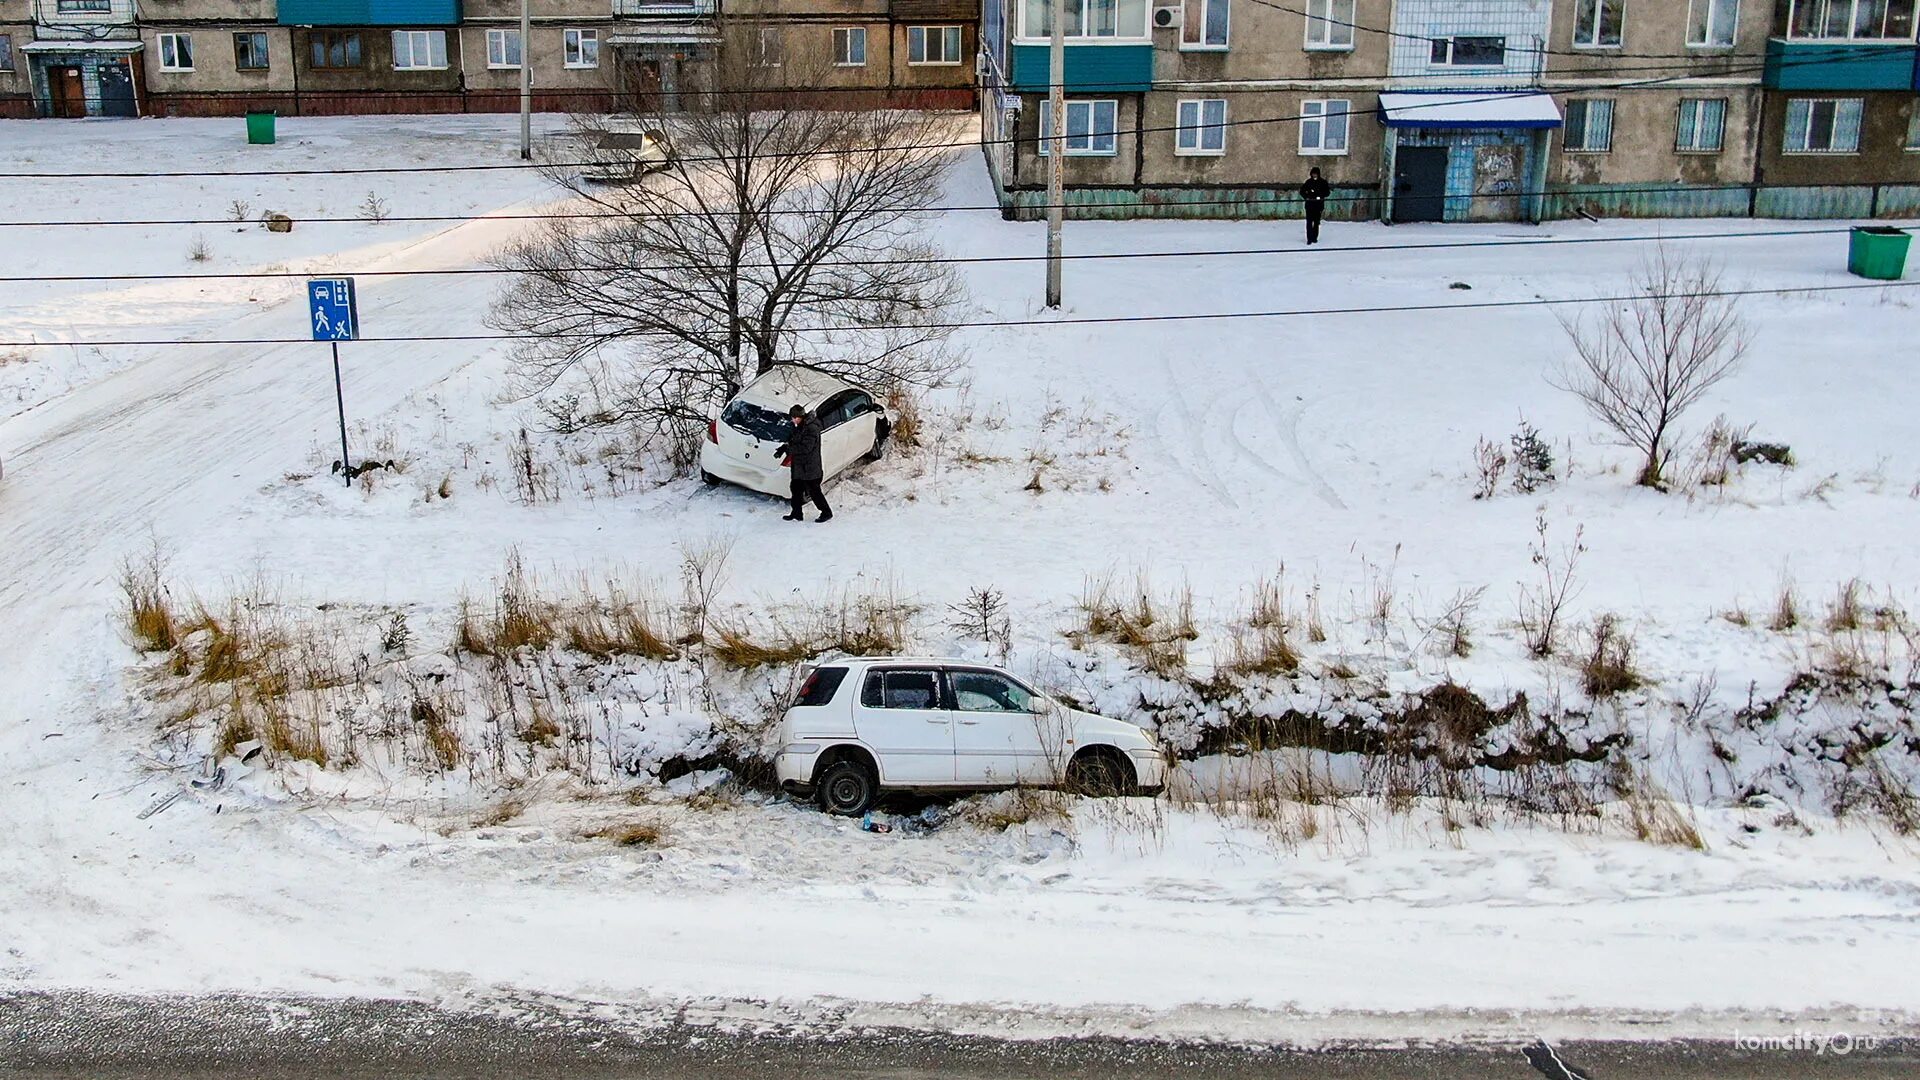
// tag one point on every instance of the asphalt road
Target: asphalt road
(112, 1038)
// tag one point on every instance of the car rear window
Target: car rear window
(821, 685)
(756, 421)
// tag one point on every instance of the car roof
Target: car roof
(907, 661)
(788, 385)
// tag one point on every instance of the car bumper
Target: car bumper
(795, 771)
(774, 481)
(1149, 770)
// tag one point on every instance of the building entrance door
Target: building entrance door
(1420, 183)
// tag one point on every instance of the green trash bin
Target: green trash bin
(260, 128)
(1879, 252)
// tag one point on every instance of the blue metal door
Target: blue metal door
(1420, 183)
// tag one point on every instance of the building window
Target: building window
(933, 44)
(1823, 126)
(1711, 23)
(6, 52)
(1590, 125)
(581, 48)
(767, 47)
(850, 46)
(1470, 51)
(1330, 24)
(1597, 23)
(332, 49)
(1323, 126)
(66, 7)
(503, 48)
(1090, 127)
(1703, 126)
(176, 52)
(1203, 25)
(419, 50)
(1202, 128)
(250, 52)
(1913, 125)
(1873, 19)
(1086, 18)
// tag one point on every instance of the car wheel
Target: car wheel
(1099, 775)
(881, 430)
(847, 788)
(711, 480)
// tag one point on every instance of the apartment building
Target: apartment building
(1457, 110)
(319, 57)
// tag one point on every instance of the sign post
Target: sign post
(335, 318)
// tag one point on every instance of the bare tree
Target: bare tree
(768, 231)
(1643, 362)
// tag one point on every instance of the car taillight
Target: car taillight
(787, 462)
(806, 688)
(713, 432)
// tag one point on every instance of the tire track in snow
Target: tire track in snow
(1195, 463)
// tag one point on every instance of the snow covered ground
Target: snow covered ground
(1204, 453)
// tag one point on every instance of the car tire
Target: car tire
(1100, 775)
(847, 788)
(710, 479)
(881, 431)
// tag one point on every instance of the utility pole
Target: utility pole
(526, 80)
(1056, 148)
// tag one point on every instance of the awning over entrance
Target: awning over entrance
(82, 47)
(1469, 109)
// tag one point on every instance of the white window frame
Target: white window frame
(1314, 116)
(573, 48)
(497, 52)
(1452, 40)
(1143, 32)
(1586, 127)
(6, 53)
(169, 45)
(1091, 148)
(769, 47)
(844, 38)
(922, 35)
(1597, 7)
(1853, 17)
(1711, 6)
(1193, 16)
(1913, 128)
(1333, 19)
(1840, 107)
(1192, 131)
(415, 38)
(1698, 106)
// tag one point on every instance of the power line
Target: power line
(1490, 95)
(1481, 305)
(466, 271)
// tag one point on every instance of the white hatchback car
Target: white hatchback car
(865, 726)
(741, 441)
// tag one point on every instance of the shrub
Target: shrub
(1532, 460)
(1607, 668)
(149, 613)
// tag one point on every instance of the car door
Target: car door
(1001, 734)
(902, 715)
(839, 441)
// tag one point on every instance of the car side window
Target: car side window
(901, 688)
(837, 409)
(983, 691)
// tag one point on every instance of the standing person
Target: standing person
(802, 449)
(1314, 192)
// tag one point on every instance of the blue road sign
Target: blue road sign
(331, 309)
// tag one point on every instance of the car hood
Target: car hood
(1120, 731)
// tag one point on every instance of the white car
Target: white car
(866, 726)
(741, 441)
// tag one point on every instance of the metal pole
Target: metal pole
(1056, 148)
(340, 399)
(526, 80)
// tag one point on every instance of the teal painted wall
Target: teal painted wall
(1111, 68)
(369, 12)
(1831, 65)
(1125, 204)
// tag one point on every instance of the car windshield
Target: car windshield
(757, 422)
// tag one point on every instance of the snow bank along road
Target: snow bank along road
(204, 899)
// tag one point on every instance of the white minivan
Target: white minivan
(865, 726)
(742, 440)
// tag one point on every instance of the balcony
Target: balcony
(70, 15)
(1842, 65)
(1112, 69)
(369, 12)
(663, 9)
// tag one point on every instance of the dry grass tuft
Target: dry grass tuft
(1262, 649)
(620, 625)
(149, 612)
(1786, 610)
(1155, 630)
(436, 730)
(629, 834)
(520, 618)
(1655, 818)
(735, 649)
(1846, 611)
(1607, 668)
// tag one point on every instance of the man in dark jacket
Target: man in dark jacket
(802, 449)
(1314, 193)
